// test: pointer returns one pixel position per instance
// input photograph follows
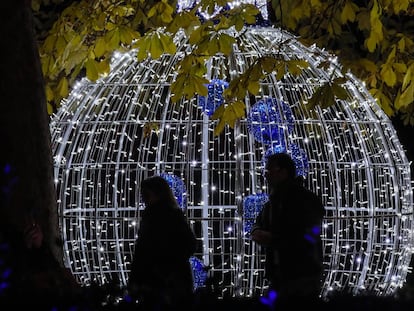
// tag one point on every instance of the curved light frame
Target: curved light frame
(102, 149)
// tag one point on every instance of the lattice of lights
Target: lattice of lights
(349, 154)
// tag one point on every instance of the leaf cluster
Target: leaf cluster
(373, 38)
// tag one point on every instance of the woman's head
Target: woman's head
(156, 190)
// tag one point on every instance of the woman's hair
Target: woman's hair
(159, 186)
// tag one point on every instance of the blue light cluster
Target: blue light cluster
(300, 158)
(214, 98)
(199, 272)
(178, 188)
(252, 205)
(268, 119)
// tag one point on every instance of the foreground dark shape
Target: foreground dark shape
(112, 297)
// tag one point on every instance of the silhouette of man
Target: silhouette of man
(289, 227)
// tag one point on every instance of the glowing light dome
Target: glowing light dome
(349, 154)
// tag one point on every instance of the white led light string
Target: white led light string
(101, 157)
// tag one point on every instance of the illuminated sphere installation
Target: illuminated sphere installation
(110, 134)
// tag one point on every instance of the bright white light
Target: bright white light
(355, 162)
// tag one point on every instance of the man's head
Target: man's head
(279, 168)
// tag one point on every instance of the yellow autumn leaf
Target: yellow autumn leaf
(62, 87)
(103, 67)
(50, 109)
(391, 55)
(166, 16)
(238, 23)
(408, 77)
(218, 129)
(168, 45)
(76, 57)
(239, 108)
(126, 35)
(328, 97)
(200, 86)
(388, 75)
(323, 97)
(196, 35)
(376, 33)
(177, 87)
(235, 89)
(91, 70)
(268, 64)
(296, 66)
(339, 91)
(218, 113)
(161, 10)
(196, 85)
(155, 48)
(45, 61)
(61, 44)
(187, 85)
(99, 22)
(49, 43)
(363, 20)
(368, 65)
(143, 46)
(232, 112)
(49, 93)
(249, 13)
(400, 67)
(184, 20)
(280, 69)
(406, 98)
(100, 47)
(35, 5)
(255, 72)
(372, 42)
(225, 43)
(401, 5)
(229, 117)
(253, 87)
(348, 12)
(114, 38)
(383, 101)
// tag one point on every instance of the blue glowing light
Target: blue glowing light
(252, 205)
(268, 121)
(178, 188)
(214, 98)
(300, 158)
(270, 299)
(199, 272)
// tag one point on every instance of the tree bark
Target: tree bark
(26, 158)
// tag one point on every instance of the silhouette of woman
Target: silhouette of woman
(161, 273)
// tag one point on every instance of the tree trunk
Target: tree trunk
(26, 159)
